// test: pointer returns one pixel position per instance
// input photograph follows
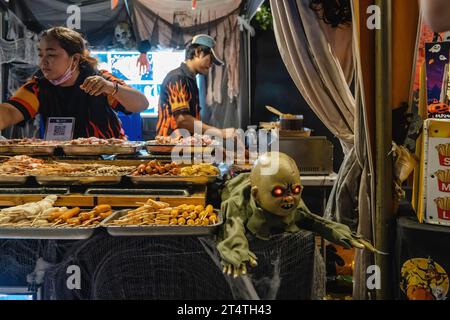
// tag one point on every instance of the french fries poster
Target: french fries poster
(437, 168)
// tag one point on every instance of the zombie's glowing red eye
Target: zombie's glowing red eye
(297, 190)
(278, 191)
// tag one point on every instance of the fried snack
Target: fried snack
(28, 142)
(84, 219)
(155, 167)
(26, 214)
(102, 208)
(19, 165)
(203, 169)
(79, 170)
(94, 141)
(160, 213)
(200, 140)
(43, 214)
(24, 165)
(70, 214)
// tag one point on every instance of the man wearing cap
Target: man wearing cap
(179, 105)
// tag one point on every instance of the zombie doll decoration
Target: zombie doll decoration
(123, 37)
(267, 202)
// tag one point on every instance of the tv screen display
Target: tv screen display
(122, 64)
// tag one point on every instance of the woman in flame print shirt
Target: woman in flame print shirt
(69, 84)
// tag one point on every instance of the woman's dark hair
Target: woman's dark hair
(72, 42)
(192, 48)
(333, 12)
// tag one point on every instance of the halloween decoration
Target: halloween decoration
(124, 37)
(266, 202)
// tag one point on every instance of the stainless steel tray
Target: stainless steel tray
(46, 233)
(158, 230)
(96, 150)
(58, 180)
(5, 149)
(155, 148)
(55, 233)
(13, 180)
(198, 180)
(33, 150)
(140, 192)
(4, 190)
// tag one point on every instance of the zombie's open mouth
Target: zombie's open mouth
(287, 206)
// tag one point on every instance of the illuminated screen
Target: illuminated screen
(122, 64)
(18, 293)
(16, 297)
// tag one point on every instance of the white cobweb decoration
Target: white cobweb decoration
(181, 268)
(21, 45)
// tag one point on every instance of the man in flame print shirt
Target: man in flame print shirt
(179, 94)
(179, 105)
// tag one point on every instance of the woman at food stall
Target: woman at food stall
(69, 84)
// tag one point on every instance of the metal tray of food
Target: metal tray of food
(78, 180)
(5, 149)
(97, 150)
(158, 230)
(34, 191)
(146, 192)
(46, 233)
(180, 180)
(32, 149)
(50, 233)
(12, 180)
(155, 148)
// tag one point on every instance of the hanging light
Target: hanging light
(194, 4)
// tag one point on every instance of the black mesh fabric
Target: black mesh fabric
(162, 268)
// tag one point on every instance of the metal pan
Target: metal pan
(159, 148)
(33, 191)
(158, 230)
(46, 233)
(58, 180)
(13, 180)
(50, 233)
(146, 192)
(155, 179)
(155, 148)
(32, 149)
(96, 150)
(5, 149)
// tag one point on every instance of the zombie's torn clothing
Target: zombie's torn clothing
(242, 214)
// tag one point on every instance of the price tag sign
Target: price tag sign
(60, 129)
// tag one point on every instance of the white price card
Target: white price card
(60, 129)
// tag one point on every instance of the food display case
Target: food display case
(80, 177)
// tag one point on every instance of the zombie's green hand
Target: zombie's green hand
(342, 235)
(337, 233)
(233, 245)
(231, 270)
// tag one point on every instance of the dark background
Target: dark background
(272, 85)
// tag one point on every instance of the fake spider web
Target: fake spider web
(166, 268)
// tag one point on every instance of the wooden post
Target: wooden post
(384, 162)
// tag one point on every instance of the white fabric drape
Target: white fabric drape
(319, 66)
(314, 66)
(172, 23)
